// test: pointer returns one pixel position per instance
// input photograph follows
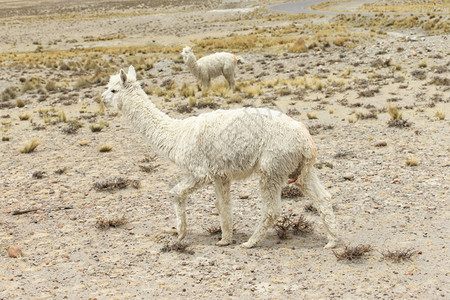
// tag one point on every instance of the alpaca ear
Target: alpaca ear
(123, 76)
(131, 73)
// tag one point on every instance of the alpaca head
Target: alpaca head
(118, 83)
(187, 51)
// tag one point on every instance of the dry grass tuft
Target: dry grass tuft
(30, 146)
(398, 255)
(286, 223)
(97, 127)
(291, 191)
(440, 115)
(282, 226)
(24, 117)
(105, 223)
(301, 225)
(178, 246)
(213, 230)
(105, 148)
(412, 162)
(351, 253)
(38, 174)
(115, 183)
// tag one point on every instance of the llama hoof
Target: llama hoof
(247, 245)
(331, 245)
(222, 243)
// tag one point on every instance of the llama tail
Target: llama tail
(240, 60)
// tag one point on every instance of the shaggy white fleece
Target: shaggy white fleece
(209, 67)
(227, 145)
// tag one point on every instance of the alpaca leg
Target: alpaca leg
(311, 186)
(271, 209)
(180, 193)
(231, 82)
(224, 206)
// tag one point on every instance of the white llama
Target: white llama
(211, 66)
(226, 145)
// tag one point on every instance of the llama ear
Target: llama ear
(131, 73)
(123, 76)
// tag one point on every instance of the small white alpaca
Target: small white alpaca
(211, 66)
(226, 145)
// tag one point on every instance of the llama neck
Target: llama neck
(191, 62)
(151, 122)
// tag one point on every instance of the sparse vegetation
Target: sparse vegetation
(398, 255)
(105, 222)
(30, 146)
(178, 246)
(352, 253)
(105, 148)
(115, 183)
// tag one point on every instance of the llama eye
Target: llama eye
(113, 91)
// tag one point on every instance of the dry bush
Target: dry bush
(105, 148)
(351, 253)
(282, 226)
(8, 94)
(398, 255)
(50, 86)
(394, 112)
(30, 146)
(440, 115)
(178, 246)
(97, 127)
(61, 171)
(441, 81)
(184, 108)
(310, 209)
(38, 174)
(213, 230)
(20, 103)
(301, 225)
(299, 46)
(105, 223)
(291, 191)
(370, 115)
(298, 226)
(311, 116)
(186, 91)
(115, 183)
(72, 127)
(24, 117)
(412, 162)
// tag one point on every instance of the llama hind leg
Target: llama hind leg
(180, 193)
(224, 206)
(311, 186)
(271, 210)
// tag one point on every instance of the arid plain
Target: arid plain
(88, 212)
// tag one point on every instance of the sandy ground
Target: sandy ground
(378, 199)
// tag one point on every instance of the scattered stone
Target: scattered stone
(15, 252)
(381, 144)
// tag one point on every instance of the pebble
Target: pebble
(15, 252)
(348, 176)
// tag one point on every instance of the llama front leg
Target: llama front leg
(224, 206)
(180, 193)
(271, 210)
(311, 186)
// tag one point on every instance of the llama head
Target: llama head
(187, 51)
(118, 83)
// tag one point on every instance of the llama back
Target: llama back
(217, 62)
(238, 141)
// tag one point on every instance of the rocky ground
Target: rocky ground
(389, 178)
